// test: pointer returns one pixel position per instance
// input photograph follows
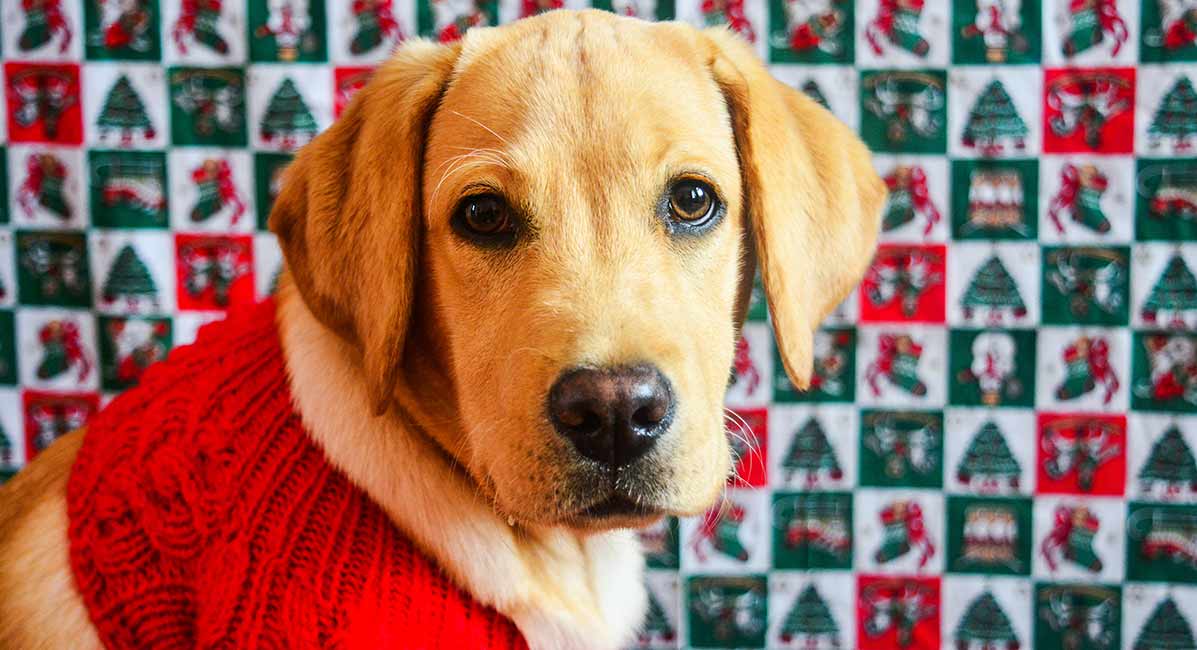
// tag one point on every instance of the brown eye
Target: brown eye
(691, 201)
(485, 218)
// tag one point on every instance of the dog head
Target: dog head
(542, 239)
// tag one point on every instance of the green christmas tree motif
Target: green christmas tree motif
(287, 118)
(811, 453)
(810, 618)
(1175, 117)
(656, 623)
(6, 450)
(985, 625)
(988, 458)
(1166, 629)
(129, 278)
(993, 120)
(813, 91)
(1170, 462)
(124, 113)
(994, 289)
(1175, 292)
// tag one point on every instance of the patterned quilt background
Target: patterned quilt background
(999, 448)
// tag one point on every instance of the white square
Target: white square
(266, 82)
(1153, 83)
(1058, 23)
(268, 263)
(68, 363)
(155, 250)
(1063, 548)
(877, 552)
(186, 40)
(877, 49)
(211, 190)
(878, 381)
(969, 84)
(1054, 373)
(841, 426)
(1020, 263)
(1018, 429)
(105, 82)
(343, 29)
(909, 178)
(1012, 596)
(836, 590)
(753, 368)
(1077, 191)
(733, 537)
(1149, 263)
(47, 187)
(1144, 432)
(838, 84)
(42, 43)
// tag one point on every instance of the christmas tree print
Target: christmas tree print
(1170, 463)
(993, 120)
(813, 91)
(656, 623)
(129, 279)
(988, 459)
(1174, 293)
(810, 619)
(6, 449)
(1166, 629)
(985, 625)
(811, 454)
(995, 290)
(124, 113)
(288, 120)
(1176, 116)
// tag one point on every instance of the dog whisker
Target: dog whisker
(485, 127)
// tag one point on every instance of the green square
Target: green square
(665, 9)
(266, 47)
(53, 269)
(758, 304)
(834, 377)
(1085, 285)
(132, 36)
(117, 374)
(309, 47)
(970, 45)
(8, 348)
(207, 107)
(1077, 616)
(268, 168)
(1165, 203)
(727, 611)
(1143, 384)
(828, 34)
(984, 218)
(427, 24)
(812, 530)
(1152, 37)
(128, 189)
(904, 111)
(967, 387)
(901, 449)
(1159, 541)
(999, 536)
(4, 207)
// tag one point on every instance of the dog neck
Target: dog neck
(562, 589)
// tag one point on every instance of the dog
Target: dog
(515, 272)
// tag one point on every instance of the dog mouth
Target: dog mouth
(618, 510)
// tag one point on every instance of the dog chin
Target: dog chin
(616, 511)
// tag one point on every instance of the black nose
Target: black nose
(612, 415)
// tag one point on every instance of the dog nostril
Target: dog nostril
(612, 415)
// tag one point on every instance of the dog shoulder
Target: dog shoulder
(39, 606)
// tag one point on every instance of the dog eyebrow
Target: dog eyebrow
(472, 158)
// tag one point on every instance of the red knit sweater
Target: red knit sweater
(203, 516)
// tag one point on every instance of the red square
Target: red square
(214, 272)
(1081, 454)
(346, 82)
(1089, 110)
(43, 102)
(748, 434)
(883, 602)
(905, 284)
(49, 416)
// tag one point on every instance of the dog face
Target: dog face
(549, 247)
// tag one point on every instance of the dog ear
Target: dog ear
(812, 197)
(348, 216)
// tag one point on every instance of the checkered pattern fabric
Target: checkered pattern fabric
(998, 450)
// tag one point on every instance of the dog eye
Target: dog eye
(692, 201)
(485, 218)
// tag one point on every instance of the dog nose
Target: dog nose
(612, 415)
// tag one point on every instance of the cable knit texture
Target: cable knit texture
(203, 516)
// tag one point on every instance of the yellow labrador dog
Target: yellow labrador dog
(516, 269)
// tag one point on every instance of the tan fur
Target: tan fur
(388, 309)
(39, 608)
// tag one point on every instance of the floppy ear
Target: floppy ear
(812, 197)
(348, 215)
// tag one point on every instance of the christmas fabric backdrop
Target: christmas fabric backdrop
(998, 449)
